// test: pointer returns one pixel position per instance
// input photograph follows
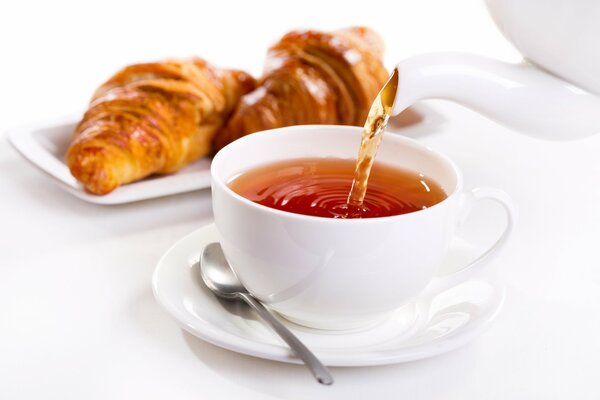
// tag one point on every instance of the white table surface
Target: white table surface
(77, 315)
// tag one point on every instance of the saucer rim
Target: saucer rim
(271, 351)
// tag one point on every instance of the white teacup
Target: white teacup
(339, 273)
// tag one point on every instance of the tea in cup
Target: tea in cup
(279, 206)
(320, 187)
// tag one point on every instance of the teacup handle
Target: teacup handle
(441, 283)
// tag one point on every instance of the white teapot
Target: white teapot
(554, 93)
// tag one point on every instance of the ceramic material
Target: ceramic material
(561, 37)
(339, 273)
(553, 95)
(423, 328)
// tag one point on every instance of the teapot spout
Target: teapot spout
(520, 96)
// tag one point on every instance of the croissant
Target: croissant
(312, 77)
(152, 118)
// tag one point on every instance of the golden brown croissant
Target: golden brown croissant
(312, 77)
(152, 118)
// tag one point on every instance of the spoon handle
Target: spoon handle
(319, 371)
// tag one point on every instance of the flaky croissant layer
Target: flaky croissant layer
(312, 77)
(152, 118)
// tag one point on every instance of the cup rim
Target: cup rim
(303, 217)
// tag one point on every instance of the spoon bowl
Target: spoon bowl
(217, 273)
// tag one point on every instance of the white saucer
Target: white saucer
(424, 328)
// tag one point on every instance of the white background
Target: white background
(77, 316)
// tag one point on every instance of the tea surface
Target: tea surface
(320, 186)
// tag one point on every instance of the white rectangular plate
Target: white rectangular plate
(45, 143)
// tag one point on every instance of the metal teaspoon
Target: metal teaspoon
(222, 281)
